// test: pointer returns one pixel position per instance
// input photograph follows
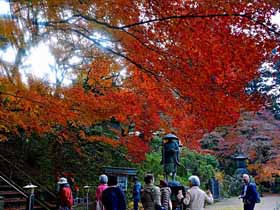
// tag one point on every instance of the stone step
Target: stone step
(15, 200)
(4, 186)
(23, 208)
(10, 193)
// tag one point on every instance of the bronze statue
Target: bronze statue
(170, 155)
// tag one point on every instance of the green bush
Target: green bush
(194, 163)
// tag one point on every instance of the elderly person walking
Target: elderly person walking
(103, 179)
(195, 198)
(249, 193)
(65, 194)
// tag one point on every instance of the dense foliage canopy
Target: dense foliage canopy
(180, 66)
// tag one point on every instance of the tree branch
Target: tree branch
(21, 97)
(114, 52)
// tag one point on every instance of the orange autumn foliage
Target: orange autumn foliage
(180, 66)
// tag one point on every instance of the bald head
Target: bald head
(246, 178)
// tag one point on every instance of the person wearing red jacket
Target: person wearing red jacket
(65, 195)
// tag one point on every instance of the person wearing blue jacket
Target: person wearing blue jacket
(136, 193)
(249, 193)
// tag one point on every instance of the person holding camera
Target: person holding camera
(195, 198)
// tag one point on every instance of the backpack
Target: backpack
(258, 199)
(147, 197)
(113, 198)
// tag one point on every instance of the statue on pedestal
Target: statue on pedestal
(170, 155)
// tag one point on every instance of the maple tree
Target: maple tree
(180, 66)
(256, 135)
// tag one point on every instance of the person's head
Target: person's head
(135, 179)
(62, 181)
(194, 181)
(112, 180)
(149, 179)
(163, 183)
(246, 178)
(103, 179)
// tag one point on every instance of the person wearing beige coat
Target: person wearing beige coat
(195, 198)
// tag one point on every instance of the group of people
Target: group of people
(109, 196)
(151, 196)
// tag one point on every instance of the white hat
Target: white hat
(62, 181)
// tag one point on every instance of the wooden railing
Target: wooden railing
(15, 173)
(12, 185)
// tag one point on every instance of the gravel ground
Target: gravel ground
(268, 202)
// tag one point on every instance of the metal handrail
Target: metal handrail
(19, 189)
(13, 186)
(30, 178)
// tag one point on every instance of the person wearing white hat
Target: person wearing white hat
(65, 194)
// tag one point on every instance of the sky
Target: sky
(4, 7)
(39, 58)
(37, 62)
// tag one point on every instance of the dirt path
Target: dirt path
(268, 202)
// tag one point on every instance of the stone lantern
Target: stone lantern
(240, 160)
